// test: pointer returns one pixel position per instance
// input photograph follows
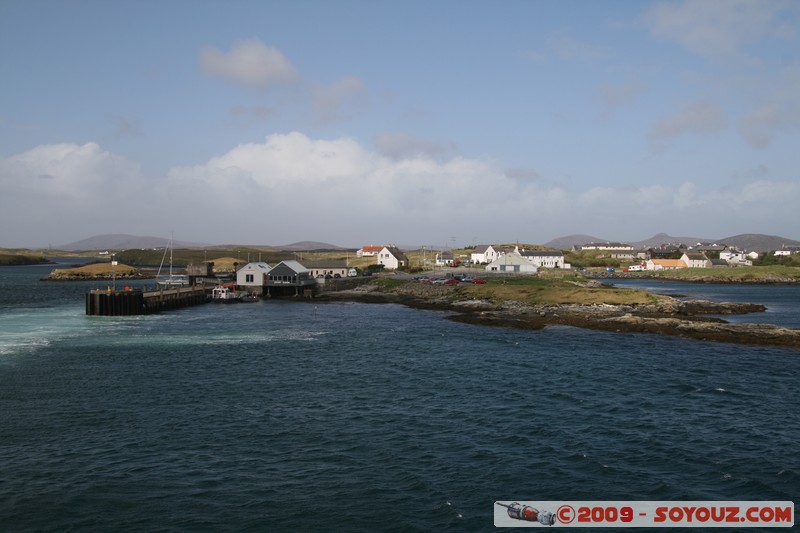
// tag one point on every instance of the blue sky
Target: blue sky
(361, 122)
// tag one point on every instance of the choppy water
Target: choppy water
(289, 416)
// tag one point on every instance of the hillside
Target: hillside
(758, 242)
(663, 238)
(125, 242)
(748, 241)
(568, 241)
(308, 246)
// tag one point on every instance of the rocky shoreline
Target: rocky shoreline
(685, 318)
(661, 276)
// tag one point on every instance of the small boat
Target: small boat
(224, 295)
(173, 280)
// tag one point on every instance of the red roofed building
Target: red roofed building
(369, 251)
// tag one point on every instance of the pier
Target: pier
(138, 302)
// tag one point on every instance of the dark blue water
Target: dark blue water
(288, 416)
(782, 301)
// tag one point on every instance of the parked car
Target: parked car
(466, 280)
(451, 281)
(478, 280)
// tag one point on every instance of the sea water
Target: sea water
(296, 416)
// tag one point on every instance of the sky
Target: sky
(355, 122)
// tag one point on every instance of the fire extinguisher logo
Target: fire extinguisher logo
(529, 514)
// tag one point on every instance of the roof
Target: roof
(395, 251)
(481, 248)
(256, 265)
(511, 258)
(332, 263)
(677, 263)
(696, 256)
(292, 264)
(373, 249)
(541, 253)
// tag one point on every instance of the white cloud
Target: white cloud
(250, 63)
(717, 28)
(291, 187)
(68, 172)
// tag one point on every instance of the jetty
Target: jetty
(130, 302)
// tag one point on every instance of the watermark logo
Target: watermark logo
(644, 514)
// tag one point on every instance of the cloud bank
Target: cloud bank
(291, 187)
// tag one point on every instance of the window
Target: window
(248, 278)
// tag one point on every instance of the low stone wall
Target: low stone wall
(342, 284)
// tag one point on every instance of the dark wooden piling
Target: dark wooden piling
(137, 302)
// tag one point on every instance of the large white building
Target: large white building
(512, 263)
(253, 275)
(545, 259)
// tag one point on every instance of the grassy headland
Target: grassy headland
(8, 259)
(96, 271)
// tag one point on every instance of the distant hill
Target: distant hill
(308, 246)
(663, 238)
(136, 242)
(125, 242)
(758, 242)
(748, 241)
(567, 242)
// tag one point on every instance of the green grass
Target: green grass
(544, 291)
(533, 290)
(7, 259)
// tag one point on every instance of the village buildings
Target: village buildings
(298, 276)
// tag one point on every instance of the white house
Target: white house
(324, 269)
(544, 259)
(512, 263)
(664, 264)
(735, 258)
(696, 260)
(253, 275)
(392, 258)
(445, 259)
(607, 246)
(484, 253)
(369, 251)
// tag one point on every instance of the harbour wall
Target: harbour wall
(138, 302)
